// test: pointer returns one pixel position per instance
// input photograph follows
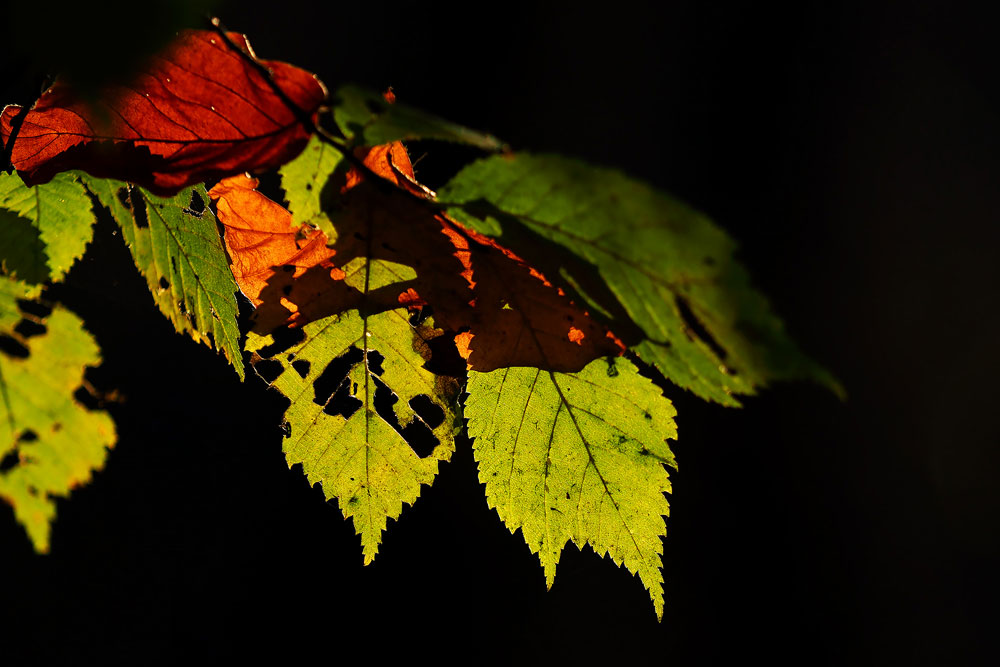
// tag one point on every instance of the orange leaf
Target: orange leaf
(196, 112)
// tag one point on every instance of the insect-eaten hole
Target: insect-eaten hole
(197, 205)
(416, 433)
(35, 308)
(332, 389)
(13, 457)
(375, 360)
(9, 461)
(268, 369)
(301, 367)
(123, 197)
(13, 348)
(87, 399)
(138, 209)
(428, 410)
(696, 329)
(28, 328)
(163, 283)
(284, 338)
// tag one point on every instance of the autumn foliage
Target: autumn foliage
(376, 302)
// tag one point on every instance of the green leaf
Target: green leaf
(56, 442)
(303, 180)
(670, 271)
(367, 119)
(577, 456)
(176, 246)
(43, 229)
(358, 452)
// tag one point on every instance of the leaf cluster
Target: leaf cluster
(530, 301)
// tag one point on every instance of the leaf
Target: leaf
(51, 442)
(577, 456)
(671, 286)
(303, 179)
(175, 244)
(368, 118)
(267, 250)
(43, 229)
(198, 111)
(336, 378)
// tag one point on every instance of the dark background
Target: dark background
(853, 152)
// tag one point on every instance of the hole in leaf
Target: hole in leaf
(342, 403)
(197, 205)
(123, 198)
(28, 328)
(416, 434)
(87, 399)
(27, 435)
(268, 369)
(427, 410)
(695, 328)
(35, 308)
(332, 390)
(163, 283)
(10, 460)
(418, 316)
(138, 210)
(284, 338)
(375, 360)
(301, 367)
(12, 348)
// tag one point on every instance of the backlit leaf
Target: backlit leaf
(198, 111)
(334, 378)
(43, 229)
(670, 285)
(49, 442)
(176, 246)
(577, 456)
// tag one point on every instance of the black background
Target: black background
(853, 152)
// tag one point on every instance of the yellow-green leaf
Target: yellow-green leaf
(334, 377)
(43, 229)
(577, 456)
(51, 442)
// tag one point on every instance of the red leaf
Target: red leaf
(198, 111)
